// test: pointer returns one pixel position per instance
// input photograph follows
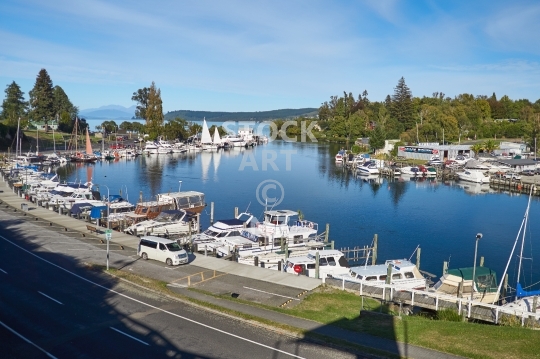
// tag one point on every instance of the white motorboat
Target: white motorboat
(150, 148)
(405, 274)
(222, 229)
(340, 156)
(331, 263)
(168, 222)
(234, 141)
(280, 229)
(411, 171)
(368, 168)
(475, 176)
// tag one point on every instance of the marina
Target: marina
(405, 212)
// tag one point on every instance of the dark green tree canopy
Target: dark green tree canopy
(402, 106)
(141, 97)
(61, 103)
(14, 106)
(42, 98)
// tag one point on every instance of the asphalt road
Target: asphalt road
(51, 306)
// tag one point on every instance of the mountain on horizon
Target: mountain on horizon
(117, 112)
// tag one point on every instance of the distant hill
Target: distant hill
(110, 112)
(241, 116)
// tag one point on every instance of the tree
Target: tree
(154, 112)
(126, 126)
(177, 128)
(376, 138)
(42, 99)
(402, 108)
(477, 148)
(13, 106)
(61, 103)
(490, 146)
(141, 97)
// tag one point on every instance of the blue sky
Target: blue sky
(266, 55)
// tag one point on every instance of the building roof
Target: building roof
(522, 162)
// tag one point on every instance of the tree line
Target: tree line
(428, 119)
(45, 103)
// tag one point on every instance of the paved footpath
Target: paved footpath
(50, 232)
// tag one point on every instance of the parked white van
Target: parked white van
(161, 249)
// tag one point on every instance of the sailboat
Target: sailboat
(524, 300)
(206, 139)
(89, 156)
(217, 139)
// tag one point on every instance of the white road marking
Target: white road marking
(1, 270)
(45, 295)
(27, 340)
(127, 335)
(152, 306)
(279, 295)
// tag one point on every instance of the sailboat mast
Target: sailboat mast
(523, 236)
(17, 144)
(514, 247)
(37, 141)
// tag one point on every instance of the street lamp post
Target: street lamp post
(478, 236)
(108, 226)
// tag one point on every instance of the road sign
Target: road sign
(108, 234)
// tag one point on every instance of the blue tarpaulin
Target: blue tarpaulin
(78, 208)
(96, 212)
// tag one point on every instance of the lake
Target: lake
(442, 218)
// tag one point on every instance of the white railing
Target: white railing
(426, 299)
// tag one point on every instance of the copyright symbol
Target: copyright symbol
(270, 192)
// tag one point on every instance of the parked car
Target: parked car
(512, 176)
(528, 172)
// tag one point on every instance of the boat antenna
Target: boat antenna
(247, 209)
(413, 252)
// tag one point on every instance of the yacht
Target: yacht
(150, 148)
(458, 282)
(280, 228)
(405, 274)
(222, 229)
(234, 141)
(331, 263)
(167, 223)
(340, 156)
(475, 176)
(368, 168)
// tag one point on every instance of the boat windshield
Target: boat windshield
(173, 247)
(211, 233)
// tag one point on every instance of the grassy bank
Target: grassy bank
(342, 309)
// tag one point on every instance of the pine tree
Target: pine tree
(13, 106)
(402, 106)
(154, 111)
(62, 104)
(42, 98)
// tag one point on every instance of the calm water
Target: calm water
(443, 218)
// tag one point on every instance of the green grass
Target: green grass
(443, 332)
